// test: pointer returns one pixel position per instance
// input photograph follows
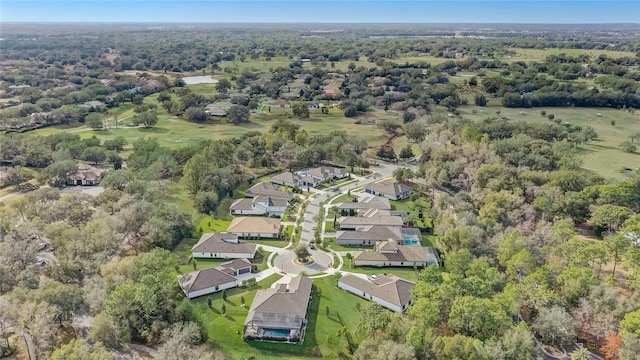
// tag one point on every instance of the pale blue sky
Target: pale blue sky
(303, 11)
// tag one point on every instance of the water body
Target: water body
(191, 80)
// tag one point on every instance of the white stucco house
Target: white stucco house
(259, 205)
(222, 246)
(208, 281)
(280, 312)
(390, 190)
(389, 291)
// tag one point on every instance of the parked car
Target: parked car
(40, 261)
(312, 246)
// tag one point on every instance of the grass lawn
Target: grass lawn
(328, 226)
(321, 340)
(335, 247)
(209, 224)
(602, 157)
(174, 132)
(343, 199)
(268, 242)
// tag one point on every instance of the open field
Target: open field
(174, 132)
(321, 339)
(602, 156)
(540, 54)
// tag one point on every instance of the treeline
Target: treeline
(519, 273)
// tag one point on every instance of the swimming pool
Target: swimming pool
(276, 332)
(411, 241)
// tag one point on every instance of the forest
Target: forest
(521, 148)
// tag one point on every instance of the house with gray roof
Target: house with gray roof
(370, 235)
(280, 312)
(363, 205)
(222, 246)
(259, 205)
(353, 222)
(389, 291)
(295, 180)
(390, 190)
(211, 280)
(267, 189)
(392, 253)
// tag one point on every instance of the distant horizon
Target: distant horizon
(524, 12)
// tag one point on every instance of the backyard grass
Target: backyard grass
(209, 224)
(602, 156)
(321, 338)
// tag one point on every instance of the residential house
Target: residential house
(325, 173)
(208, 281)
(363, 205)
(85, 176)
(281, 104)
(295, 179)
(267, 189)
(236, 267)
(222, 246)
(262, 199)
(262, 227)
(215, 110)
(353, 223)
(389, 291)
(259, 205)
(390, 190)
(370, 235)
(280, 312)
(391, 253)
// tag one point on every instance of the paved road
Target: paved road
(324, 260)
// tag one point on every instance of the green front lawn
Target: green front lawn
(321, 338)
(335, 247)
(328, 226)
(343, 199)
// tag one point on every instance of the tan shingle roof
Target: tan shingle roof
(254, 225)
(389, 288)
(402, 253)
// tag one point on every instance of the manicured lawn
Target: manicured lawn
(288, 231)
(343, 199)
(603, 156)
(275, 242)
(335, 247)
(328, 226)
(209, 224)
(321, 339)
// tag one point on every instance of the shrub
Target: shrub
(551, 116)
